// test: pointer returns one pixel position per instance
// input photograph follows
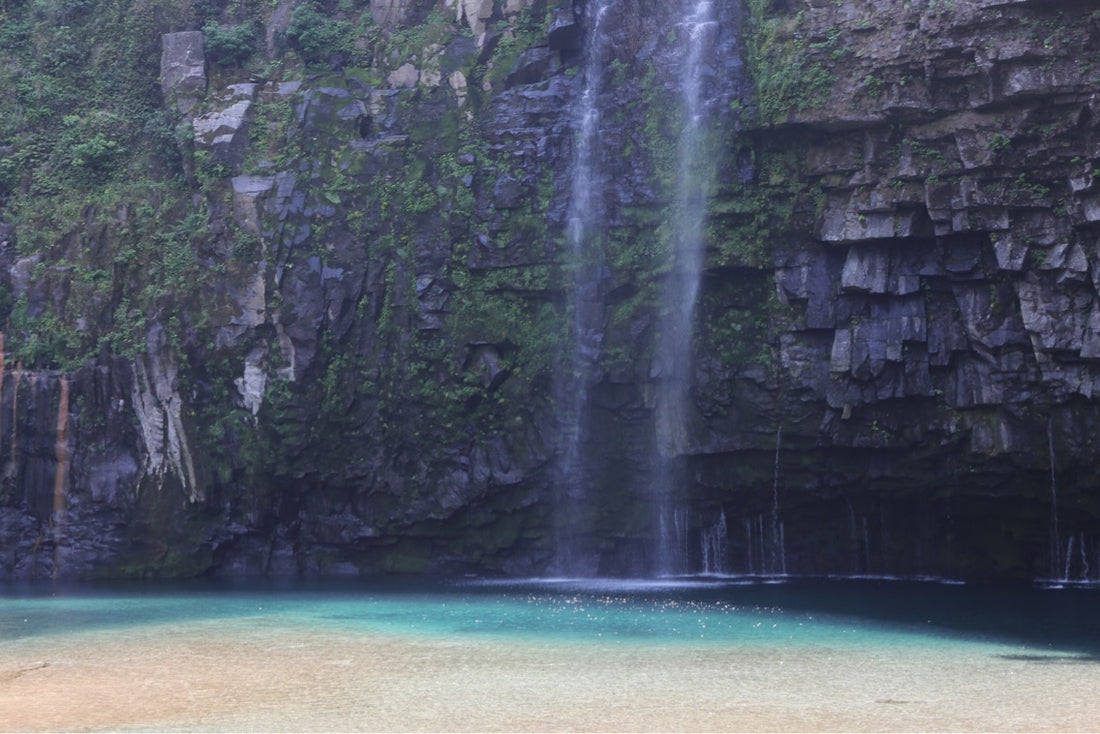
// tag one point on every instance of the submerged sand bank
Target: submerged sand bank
(255, 675)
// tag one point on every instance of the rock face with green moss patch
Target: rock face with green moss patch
(308, 318)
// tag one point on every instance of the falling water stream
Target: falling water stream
(674, 348)
(61, 475)
(1071, 565)
(585, 218)
(673, 357)
(1055, 535)
(714, 542)
(16, 380)
(779, 546)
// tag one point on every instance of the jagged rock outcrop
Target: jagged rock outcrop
(224, 130)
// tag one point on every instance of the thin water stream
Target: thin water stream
(673, 409)
(585, 217)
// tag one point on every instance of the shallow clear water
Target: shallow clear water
(548, 655)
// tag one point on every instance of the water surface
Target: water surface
(715, 654)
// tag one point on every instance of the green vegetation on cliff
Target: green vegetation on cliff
(91, 178)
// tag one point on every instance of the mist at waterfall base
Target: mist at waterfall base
(547, 655)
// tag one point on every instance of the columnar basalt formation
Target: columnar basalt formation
(948, 162)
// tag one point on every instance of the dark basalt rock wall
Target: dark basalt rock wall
(951, 166)
(895, 348)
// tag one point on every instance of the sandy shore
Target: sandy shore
(250, 675)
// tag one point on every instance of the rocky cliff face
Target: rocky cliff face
(942, 286)
(319, 329)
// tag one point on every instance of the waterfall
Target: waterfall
(16, 380)
(1084, 559)
(750, 568)
(1055, 535)
(714, 546)
(61, 476)
(672, 539)
(1079, 544)
(584, 220)
(1069, 558)
(853, 540)
(1, 364)
(782, 550)
(779, 550)
(673, 361)
(866, 545)
(761, 541)
(674, 348)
